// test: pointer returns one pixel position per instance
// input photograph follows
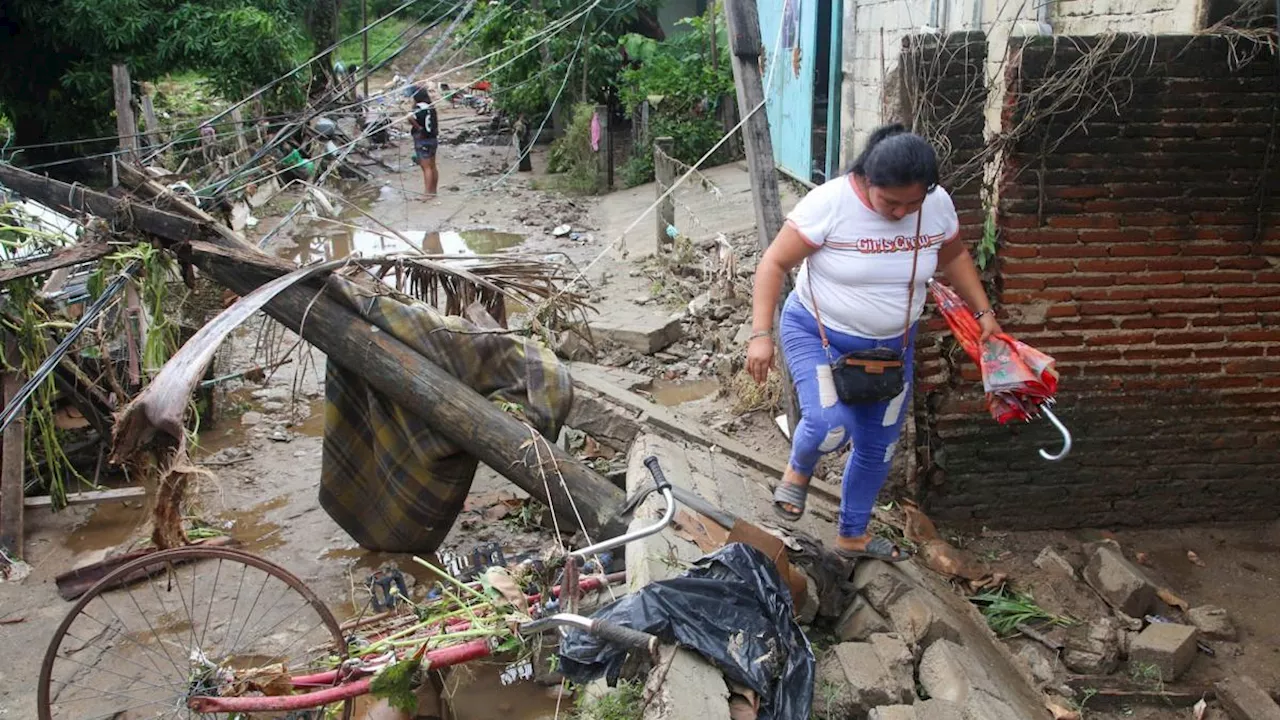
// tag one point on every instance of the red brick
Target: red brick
(1043, 236)
(1224, 234)
(1131, 235)
(1112, 294)
(1073, 251)
(1253, 367)
(1189, 338)
(1243, 263)
(1223, 218)
(1226, 320)
(1216, 249)
(1076, 192)
(1168, 307)
(1258, 398)
(1090, 221)
(1179, 291)
(1202, 366)
(1164, 323)
(1019, 251)
(1180, 264)
(1220, 277)
(1011, 221)
(1221, 383)
(1235, 351)
(1079, 324)
(1059, 311)
(1036, 267)
(1239, 291)
(1153, 219)
(1270, 276)
(1171, 233)
(1110, 266)
(1076, 280)
(1113, 339)
(1116, 369)
(1020, 283)
(1254, 304)
(1144, 250)
(1114, 308)
(1090, 355)
(1254, 336)
(1165, 278)
(1157, 353)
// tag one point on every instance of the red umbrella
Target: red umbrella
(1020, 381)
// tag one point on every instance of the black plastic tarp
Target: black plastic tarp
(733, 609)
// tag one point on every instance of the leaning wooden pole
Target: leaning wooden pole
(743, 21)
(393, 368)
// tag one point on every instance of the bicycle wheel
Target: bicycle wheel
(182, 623)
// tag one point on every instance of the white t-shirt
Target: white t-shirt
(862, 266)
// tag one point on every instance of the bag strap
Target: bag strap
(911, 292)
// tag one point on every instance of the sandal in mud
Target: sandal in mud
(793, 495)
(878, 548)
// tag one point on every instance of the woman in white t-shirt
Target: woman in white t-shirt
(861, 238)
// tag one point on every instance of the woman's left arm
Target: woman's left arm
(957, 264)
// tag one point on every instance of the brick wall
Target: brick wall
(1143, 252)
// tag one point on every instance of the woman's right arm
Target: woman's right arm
(786, 252)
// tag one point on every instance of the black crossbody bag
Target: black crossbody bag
(878, 374)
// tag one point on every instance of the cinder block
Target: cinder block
(1168, 646)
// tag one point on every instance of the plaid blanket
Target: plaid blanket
(388, 478)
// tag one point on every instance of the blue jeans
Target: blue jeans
(873, 427)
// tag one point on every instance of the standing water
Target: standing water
(336, 242)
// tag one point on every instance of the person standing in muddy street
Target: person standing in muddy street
(425, 130)
(867, 244)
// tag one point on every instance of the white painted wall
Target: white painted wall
(873, 32)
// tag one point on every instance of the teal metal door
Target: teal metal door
(788, 30)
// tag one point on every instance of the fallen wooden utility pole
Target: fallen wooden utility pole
(743, 20)
(126, 126)
(12, 460)
(455, 410)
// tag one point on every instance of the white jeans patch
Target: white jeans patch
(826, 386)
(834, 437)
(892, 412)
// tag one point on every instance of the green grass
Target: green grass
(384, 40)
(1006, 609)
(620, 703)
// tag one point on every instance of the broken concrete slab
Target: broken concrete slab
(948, 671)
(689, 688)
(637, 329)
(860, 621)
(867, 680)
(808, 610)
(898, 663)
(937, 709)
(893, 712)
(920, 619)
(1213, 622)
(1167, 646)
(1119, 581)
(1244, 699)
(880, 583)
(1093, 649)
(1040, 661)
(1050, 560)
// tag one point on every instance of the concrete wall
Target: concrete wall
(1140, 253)
(673, 11)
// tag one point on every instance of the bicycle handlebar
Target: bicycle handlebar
(664, 488)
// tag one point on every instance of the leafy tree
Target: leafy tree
(56, 57)
(529, 83)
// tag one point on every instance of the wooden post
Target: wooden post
(364, 43)
(242, 143)
(604, 168)
(743, 20)
(12, 457)
(126, 126)
(711, 30)
(664, 174)
(152, 136)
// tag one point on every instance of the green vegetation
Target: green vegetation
(623, 702)
(683, 88)
(384, 40)
(572, 155)
(1006, 609)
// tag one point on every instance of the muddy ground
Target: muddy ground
(264, 448)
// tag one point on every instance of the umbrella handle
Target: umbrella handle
(1066, 436)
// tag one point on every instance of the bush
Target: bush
(572, 155)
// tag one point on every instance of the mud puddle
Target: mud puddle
(670, 392)
(325, 240)
(253, 532)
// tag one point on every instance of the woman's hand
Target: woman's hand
(989, 327)
(760, 358)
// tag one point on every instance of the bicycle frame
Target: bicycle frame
(354, 681)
